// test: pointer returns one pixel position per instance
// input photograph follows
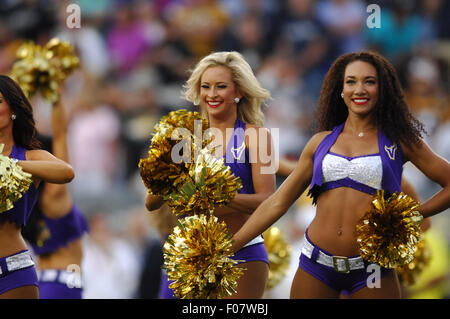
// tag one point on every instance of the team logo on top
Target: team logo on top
(391, 151)
(237, 151)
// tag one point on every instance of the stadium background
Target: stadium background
(135, 55)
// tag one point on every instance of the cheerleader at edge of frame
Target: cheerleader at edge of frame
(366, 134)
(18, 277)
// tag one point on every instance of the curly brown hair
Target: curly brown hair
(392, 114)
(24, 130)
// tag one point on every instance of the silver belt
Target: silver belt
(16, 262)
(71, 279)
(339, 263)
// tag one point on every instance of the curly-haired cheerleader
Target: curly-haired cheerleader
(366, 134)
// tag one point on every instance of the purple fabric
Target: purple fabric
(127, 44)
(238, 159)
(348, 182)
(63, 230)
(347, 283)
(164, 291)
(255, 252)
(18, 278)
(353, 157)
(61, 285)
(391, 158)
(57, 290)
(22, 208)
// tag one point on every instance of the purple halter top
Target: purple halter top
(23, 207)
(391, 158)
(238, 159)
(62, 231)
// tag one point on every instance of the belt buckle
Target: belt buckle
(338, 262)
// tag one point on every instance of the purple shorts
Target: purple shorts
(256, 252)
(59, 284)
(346, 283)
(57, 290)
(25, 276)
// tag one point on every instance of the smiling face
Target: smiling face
(218, 90)
(360, 88)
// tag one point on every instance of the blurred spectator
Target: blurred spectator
(301, 25)
(200, 22)
(311, 42)
(88, 42)
(344, 19)
(127, 38)
(93, 141)
(246, 36)
(430, 11)
(281, 75)
(154, 30)
(401, 30)
(425, 95)
(110, 266)
(29, 19)
(263, 8)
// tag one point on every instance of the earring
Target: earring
(13, 117)
(342, 95)
(236, 99)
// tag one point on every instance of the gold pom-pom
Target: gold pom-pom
(196, 255)
(409, 273)
(388, 233)
(279, 252)
(197, 259)
(44, 68)
(159, 172)
(14, 182)
(211, 184)
(192, 183)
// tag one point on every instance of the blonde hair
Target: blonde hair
(253, 95)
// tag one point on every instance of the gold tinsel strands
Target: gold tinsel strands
(196, 185)
(196, 254)
(388, 233)
(159, 173)
(197, 259)
(44, 68)
(409, 273)
(14, 182)
(211, 184)
(279, 252)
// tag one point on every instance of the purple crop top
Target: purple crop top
(390, 155)
(238, 159)
(23, 207)
(62, 231)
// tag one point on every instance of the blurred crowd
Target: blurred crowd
(135, 55)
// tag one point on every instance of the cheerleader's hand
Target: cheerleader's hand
(14, 182)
